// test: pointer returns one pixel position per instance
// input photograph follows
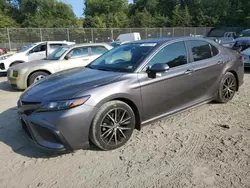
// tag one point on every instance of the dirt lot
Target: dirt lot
(204, 147)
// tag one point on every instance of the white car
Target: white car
(32, 52)
(66, 57)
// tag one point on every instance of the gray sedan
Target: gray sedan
(126, 88)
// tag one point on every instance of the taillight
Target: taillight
(241, 58)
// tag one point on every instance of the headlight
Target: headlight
(65, 104)
(4, 57)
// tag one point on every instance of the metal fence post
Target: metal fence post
(68, 34)
(112, 34)
(160, 32)
(8, 34)
(173, 32)
(41, 34)
(184, 31)
(92, 35)
(146, 33)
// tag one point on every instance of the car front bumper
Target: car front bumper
(58, 131)
(16, 82)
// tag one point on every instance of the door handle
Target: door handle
(188, 71)
(220, 62)
(85, 59)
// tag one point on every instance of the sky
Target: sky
(78, 6)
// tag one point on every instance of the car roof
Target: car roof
(163, 40)
(88, 44)
(52, 42)
(246, 30)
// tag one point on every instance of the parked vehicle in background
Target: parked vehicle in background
(66, 57)
(244, 33)
(31, 52)
(222, 36)
(3, 51)
(241, 44)
(246, 56)
(126, 88)
(128, 37)
(5, 56)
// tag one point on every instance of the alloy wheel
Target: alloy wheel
(38, 78)
(116, 126)
(229, 88)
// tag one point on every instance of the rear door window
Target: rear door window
(98, 50)
(200, 50)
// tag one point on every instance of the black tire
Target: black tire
(33, 77)
(227, 88)
(119, 138)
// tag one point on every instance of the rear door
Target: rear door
(207, 62)
(77, 57)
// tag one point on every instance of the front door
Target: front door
(77, 57)
(170, 90)
(38, 52)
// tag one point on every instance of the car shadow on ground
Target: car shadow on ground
(12, 134)
(5, 86)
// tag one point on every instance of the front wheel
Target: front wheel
(113, 125)
(227, 89)
(36, 76)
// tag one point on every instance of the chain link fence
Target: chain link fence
(14, 38)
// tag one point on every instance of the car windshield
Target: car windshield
(25, 48)
(57, 54)
(125, 58)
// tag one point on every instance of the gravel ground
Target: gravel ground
(208, 146)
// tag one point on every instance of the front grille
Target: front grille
(2, 66)
(15, 74)
(29, 103)
(28, 108)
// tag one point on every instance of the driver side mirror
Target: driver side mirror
(67, 57)
(157, 68)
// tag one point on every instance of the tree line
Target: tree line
(121, 14)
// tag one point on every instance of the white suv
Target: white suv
(32, 52)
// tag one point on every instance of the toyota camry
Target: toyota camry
(126, 88)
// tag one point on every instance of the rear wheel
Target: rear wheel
(35, 77)
(228, 87)
(113, 125)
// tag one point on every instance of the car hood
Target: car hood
(31, 64)
(68, 84)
